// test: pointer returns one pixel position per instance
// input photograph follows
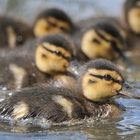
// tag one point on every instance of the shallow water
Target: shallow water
(126, 127)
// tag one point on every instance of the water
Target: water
(126, 127)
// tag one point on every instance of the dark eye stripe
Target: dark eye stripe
(95, 40)
(103, 77)
(104, 38)
(113, 44)
(52, 24)
(56, 53)
(97, 76)
(101, 36)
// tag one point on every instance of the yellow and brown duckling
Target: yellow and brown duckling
(132, 15)
(13, 32)
(101, 40)
(52, 21)
(100, 80)
(132, 23)
(53, 55)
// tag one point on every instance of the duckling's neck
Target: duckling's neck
(55, 74)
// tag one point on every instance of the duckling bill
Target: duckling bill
(99, 81)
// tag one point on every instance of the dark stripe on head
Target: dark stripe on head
(101, 64)
(101, 36)
(104, 77)
(58, 40)
(56, 13)
(58, 53)
(108, 28)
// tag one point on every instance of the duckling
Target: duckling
(132, 22)
(131, 14)
(99, 81)
(53, 55)
(101, 40)
(13, 32)
(43, 25)
(52, 21)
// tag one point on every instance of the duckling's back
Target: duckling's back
(54, 104)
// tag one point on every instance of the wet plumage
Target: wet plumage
(58, 104)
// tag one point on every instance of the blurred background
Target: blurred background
(78, 9)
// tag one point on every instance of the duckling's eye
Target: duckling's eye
(95, 40)
(52, 24)
(57, 52)
(107, 77)
(44, 56)
(63, 28)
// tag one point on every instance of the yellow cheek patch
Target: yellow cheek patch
(65, 103)
(48, 62)
(40, 27)
(87, 45)
(117, 86)
(95, 50)
(21, 110)
(134, 19)
(99, 89)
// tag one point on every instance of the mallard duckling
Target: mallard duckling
(52, 21)
(132, 23)
(52, 58)
(99, 81)
(132, 15)
(101, 40)
(13, 32)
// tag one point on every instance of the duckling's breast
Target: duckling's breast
(104, 110)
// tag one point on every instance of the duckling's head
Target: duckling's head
(13, 32)
(100, 80)
(102, 40)
(132, 15)
(54, 53)
(52, 21)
